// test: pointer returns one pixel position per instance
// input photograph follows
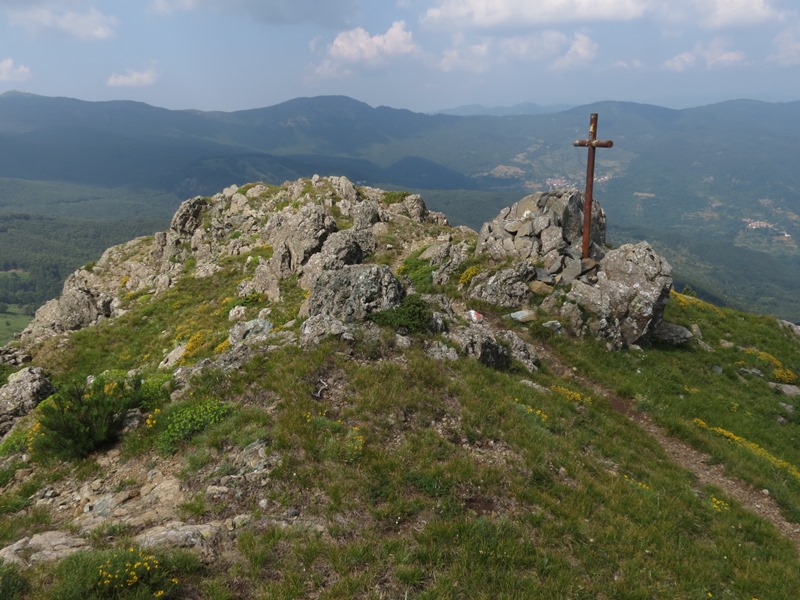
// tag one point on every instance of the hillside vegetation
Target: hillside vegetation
(361, 465)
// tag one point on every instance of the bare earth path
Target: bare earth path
(681, 453)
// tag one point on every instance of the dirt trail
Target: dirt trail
(681, 453)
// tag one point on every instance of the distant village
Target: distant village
(767, 225)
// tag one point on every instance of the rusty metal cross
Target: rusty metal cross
(591, 143)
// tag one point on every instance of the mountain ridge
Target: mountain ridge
(702, 172)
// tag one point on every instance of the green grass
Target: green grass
(679, 385)
(12, 321)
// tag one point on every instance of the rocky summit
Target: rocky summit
(288, 372)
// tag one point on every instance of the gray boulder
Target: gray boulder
(23, 392)
(626, 303)
(351, 293)
(669, 333)
(508, 288)
(480, 343)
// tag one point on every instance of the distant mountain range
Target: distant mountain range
(524, 108)
(715, 188)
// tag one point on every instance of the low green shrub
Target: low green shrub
(419, 271)
(77, 420)
(183, 423)
(81, 418)
(413, 314)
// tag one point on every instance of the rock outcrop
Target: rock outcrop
(319, 258)
(626, 303)
(23, 392)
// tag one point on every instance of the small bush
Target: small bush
(81, 418)
(419, 271)
(412, 314)
(468, 274)
(121, 573)
(187, 421)
(78, 420)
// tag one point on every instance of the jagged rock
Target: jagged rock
(672, 334)
(439, 351)
(479, 342)
(187, 218)
(173, 358)
(320, 326)
(786, 389)
(348, 247)
(793, 327)
(14, 356)
(521, 351)
(295, 236)
(49, 546)
(413, 207)
(750, 372)
(508, 288)
(627, 302)
(251, 332)
(199, 538)
(23, 392)
(350, 294)
(447, 258)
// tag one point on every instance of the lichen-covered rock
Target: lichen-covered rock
(49, 546)
(320, 326)
(509, 288)
(351, 293)
(23, 392)
(479, 342)
(627, 301)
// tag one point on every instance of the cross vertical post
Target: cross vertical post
(592, 143)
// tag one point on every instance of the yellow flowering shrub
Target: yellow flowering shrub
(778, 463)
(569, 394)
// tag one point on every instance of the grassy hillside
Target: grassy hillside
(391, 474)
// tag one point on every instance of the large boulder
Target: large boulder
(508, 288)
(626, 303)
(351, 293)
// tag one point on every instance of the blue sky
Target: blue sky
(418, 54)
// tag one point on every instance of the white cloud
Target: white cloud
(543, 45)
(133, 78)
(581, 52)
(680, 62)
(629, 65)
(12, 72)
(466, 57)
(713, 56)
(718, 14)
(498, 13)
(91, 25)
(787, 46)
(358, 47)
(727, 13)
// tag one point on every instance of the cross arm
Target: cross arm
(593, 143)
